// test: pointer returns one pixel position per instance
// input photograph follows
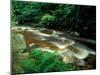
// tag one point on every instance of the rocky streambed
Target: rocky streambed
(69, 48)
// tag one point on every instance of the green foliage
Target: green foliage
(27, 65)
(48, 18)
(70, 18)
(44, 62)
(26, 11)
(42, 13)
(36, 53)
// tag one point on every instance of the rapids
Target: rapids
(71, 50)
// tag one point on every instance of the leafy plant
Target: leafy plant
(45, 62)
(65, 17)
(27, 65)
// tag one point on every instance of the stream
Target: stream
(70, 48)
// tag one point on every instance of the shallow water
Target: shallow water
(67, 47)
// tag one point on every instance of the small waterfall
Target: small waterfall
(54, 41)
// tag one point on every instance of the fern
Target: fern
(40, 62)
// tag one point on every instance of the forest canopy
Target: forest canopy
(63, 17)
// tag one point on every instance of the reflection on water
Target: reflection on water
(54, 41)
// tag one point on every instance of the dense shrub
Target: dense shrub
(65, 17)
(40, 61)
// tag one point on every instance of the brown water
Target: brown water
(50, 40)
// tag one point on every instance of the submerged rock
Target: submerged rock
(70, 50)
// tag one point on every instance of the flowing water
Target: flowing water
(71, 50)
